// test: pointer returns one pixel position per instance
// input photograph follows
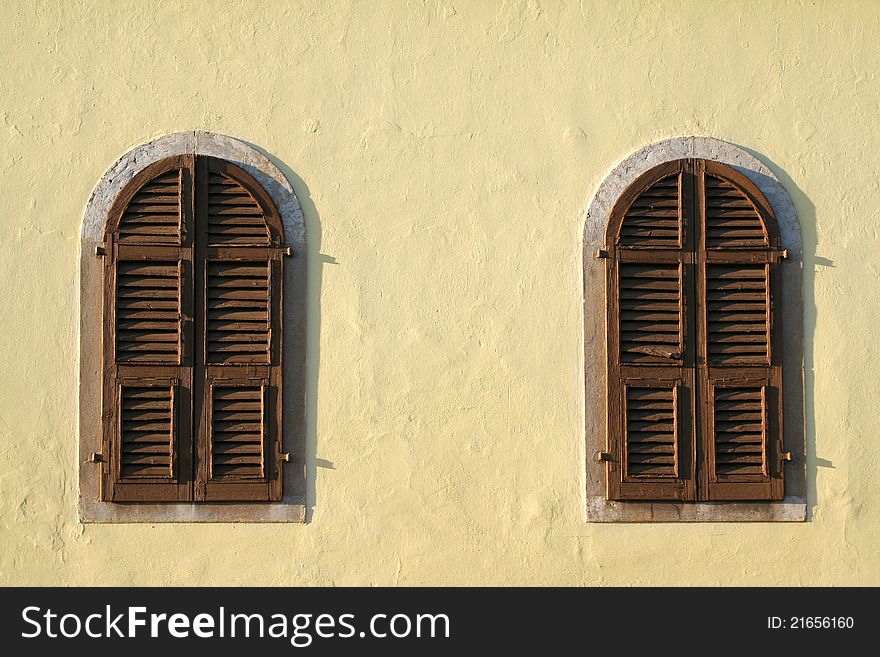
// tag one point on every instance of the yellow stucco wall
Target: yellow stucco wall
(444, 153)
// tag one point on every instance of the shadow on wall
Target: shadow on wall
(806, 213)
(311, 270)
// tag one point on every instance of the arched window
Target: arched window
(192, 398)
(694, 338)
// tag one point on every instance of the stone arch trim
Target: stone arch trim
(193, 143)
(598, 214)
(279, 189)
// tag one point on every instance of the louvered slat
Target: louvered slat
(731, 219)
(654, 218)
(146, 432)
(234, 216)
(153, 216)
(237, 432)
(651, 431)
(148, 311)
(737, 314)
(739, 430)
(238, 312)
(650, 312)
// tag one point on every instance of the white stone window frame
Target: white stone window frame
(292, 507)
(599, 509)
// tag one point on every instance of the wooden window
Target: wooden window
(694, 353)
(192, 337)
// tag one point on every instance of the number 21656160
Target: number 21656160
(810, 623)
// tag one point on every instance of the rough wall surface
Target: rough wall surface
(444, 154)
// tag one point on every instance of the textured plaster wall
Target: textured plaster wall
(444, 154)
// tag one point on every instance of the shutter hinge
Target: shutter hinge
(285, 457)
(786, 456)
(96, 457)
(100, 251)
(602, 457)
(601, 253)
(287, 250)
(783, 255)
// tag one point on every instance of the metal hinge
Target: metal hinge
(601, 253)
(285, 457)
(786, 456)
(100, 251)
(602, 457)
(96, 457)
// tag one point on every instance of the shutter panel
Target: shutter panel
(738, 314)
(741, 378)
(651, 422)
(742, 425)
(653, 219)
(235, 218)
(147, 429)
(238, 311)
(239, 275)
(150, 455)
(650, 370)
(154, 214)
(652, 434)
(732, 220)
(738, 420)
(148, 319)
(651, 309)
(147, 338)
(238, 430)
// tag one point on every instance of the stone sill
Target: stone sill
(94, 511)
(791, 509)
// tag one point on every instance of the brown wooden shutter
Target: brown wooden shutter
(148, 337)
(650, 366)
(239, 276)
(192, 340)
(740, 371)
(694, 363)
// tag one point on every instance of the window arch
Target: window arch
(192, 347)
(694, 338)
(271, 189)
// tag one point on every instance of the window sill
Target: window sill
(791, 509)
(94, 511)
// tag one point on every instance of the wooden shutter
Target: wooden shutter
(740, 376)
(650, 367)
(148, 338)
(694, 366)
(239, 275)
(192, 338)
